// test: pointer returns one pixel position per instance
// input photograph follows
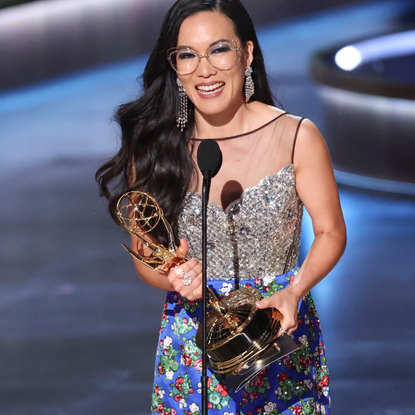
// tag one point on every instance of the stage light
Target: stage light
(382, 47)
(348, 58)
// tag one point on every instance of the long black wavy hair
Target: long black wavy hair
(154, 155)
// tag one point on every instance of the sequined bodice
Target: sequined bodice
(258, 235)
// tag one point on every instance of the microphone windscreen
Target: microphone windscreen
(209, 157)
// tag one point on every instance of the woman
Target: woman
(206, 79)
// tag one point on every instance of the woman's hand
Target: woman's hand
(286, 302)
(187, 279)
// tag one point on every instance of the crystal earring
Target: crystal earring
(181, 116)
(249, 84)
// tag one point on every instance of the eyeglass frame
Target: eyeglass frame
(205, 55)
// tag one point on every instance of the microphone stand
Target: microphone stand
(209, 159)
(205, 198)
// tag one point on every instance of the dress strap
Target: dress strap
(244, 134)
(295, 138)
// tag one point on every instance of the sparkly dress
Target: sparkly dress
(253, 242)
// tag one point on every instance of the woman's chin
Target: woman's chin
(216, 108)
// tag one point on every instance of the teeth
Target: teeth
(210, 87)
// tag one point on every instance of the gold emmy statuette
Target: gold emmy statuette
(140, 213)
(241, 339)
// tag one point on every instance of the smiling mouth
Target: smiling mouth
(210, 89)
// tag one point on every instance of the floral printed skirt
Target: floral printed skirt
(298, 384)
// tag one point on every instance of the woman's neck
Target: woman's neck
(234, 121)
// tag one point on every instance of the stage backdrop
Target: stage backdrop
(44, 39)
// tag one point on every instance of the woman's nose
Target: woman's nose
(205, 68)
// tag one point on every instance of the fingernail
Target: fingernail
(258, 305)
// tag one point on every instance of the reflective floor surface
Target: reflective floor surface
(78, 330)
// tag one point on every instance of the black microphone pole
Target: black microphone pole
(209, 159)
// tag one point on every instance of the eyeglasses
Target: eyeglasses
(222, 56)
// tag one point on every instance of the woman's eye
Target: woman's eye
(185, 56)
(221, 49)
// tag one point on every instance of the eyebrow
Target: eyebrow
(220, 40)
(212, 44)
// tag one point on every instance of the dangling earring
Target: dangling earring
(181, 116)
(249, 84)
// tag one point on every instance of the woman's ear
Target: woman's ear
(249, 53)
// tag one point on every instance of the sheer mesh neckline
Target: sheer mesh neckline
(243, 134)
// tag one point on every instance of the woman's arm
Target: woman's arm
(168, 280)
(316, 187)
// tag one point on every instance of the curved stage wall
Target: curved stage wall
(369, 108)
(44, 39)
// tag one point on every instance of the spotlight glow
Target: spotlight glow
(382, 47)
(348, 58)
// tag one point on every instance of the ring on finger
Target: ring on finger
(187, 279)
(283, 331)
(185, 276)
(180, 273)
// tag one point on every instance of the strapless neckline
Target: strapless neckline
(246, 191)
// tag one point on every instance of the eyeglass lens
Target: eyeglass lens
(222, 56)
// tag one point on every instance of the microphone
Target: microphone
(209, 158)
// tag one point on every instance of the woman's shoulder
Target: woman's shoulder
(309, 143)
(295, 129)
(265, 113)
(306, 126)
(298, 130)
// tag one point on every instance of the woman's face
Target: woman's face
(213, 91)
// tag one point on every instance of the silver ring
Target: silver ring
(283, 331)
(180, 274)
(185, 276)
(187, 280)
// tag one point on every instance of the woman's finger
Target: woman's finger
(195, 294)
(182, 249)
(264, 303)
(187, 279)
(284, 329)
(192, 264)
(288, 325)
(286, 307)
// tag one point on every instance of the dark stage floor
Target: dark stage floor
(78, 330)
